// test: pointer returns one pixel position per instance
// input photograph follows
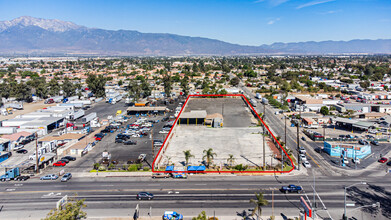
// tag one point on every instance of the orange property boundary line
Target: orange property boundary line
(224, 171)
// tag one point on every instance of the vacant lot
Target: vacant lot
(238, 137)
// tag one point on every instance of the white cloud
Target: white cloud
(330, 12)
(272, 21)
(312, 3)
(272, 2)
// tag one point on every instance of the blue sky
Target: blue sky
(247, 22)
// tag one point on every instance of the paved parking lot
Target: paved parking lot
(234, 110)
(238, 136)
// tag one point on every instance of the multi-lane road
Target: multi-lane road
(226, 196)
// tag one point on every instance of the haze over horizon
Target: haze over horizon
(255, 22)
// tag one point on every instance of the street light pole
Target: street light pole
(264, 133)
(344, 217)
(282, 151)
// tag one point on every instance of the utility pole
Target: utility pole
(36, 152)
(298, 139)
(282, 151)
(264, 133)
(314, 207)
(153, 147)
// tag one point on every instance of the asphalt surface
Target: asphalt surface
(228, 195)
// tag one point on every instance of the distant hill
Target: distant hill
(28, 35)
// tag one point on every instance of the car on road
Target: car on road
(59, 164)
(303, 138)
(306, 164)
(163, 132)
(302, 150)
(144, 195)
(22, 151)
(130, 142)
(49, 177)
(345, 160)
(376, 143)
(302, 157)
(70, 158)
(18, 147)
(160, 175)
(171, 215)
(382, 160)
(179, 175)
(290, 189)
(389, 163)
(66, 177)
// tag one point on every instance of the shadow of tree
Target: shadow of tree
(363, 197)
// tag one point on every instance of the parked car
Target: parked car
(303, 138)
(345, 160)
(375, 143)
(389, 163)
(382, 160)
(144, 195)
(49, 177)
(59, 164)
(163, 132)
(307, 164)
(99, 136)
(122, 136)
(25, 141)
(22, 151)
(130, 142)
(363, 142)
(66, 177)
(119, 140)
(160, 175)
(179, 175)
(171, 215)
(302, 150)
(70, 158)
(64, 160)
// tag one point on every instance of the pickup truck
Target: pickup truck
(290, 189)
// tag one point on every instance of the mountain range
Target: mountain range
(37, 36)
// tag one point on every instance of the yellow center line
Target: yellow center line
(310, 157)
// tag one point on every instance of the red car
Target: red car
(59, 164)
(382, 160)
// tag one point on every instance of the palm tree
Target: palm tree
(209, 155)
(188, 155)
(258, 202)
(230, 160)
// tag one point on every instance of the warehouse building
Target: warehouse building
(196, 117)
(44, 124)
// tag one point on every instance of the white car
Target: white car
(345, 161)
(18, 147)
(307, 164)
(303, 157)
(163, 132)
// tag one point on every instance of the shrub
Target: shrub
(146, 168)
(96, 166)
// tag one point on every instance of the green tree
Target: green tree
(167, 83)
(324, 110)
(97, 84)
(230, 160)
(208, 155)
(71, 211)
(185, 85)
(54, 87)
(134, 90)
(146, 89)
(68, 88)
(258, 203)
(201, 216)
(188, 155)
(120, 83)
(235, 81)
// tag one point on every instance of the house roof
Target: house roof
(194, 114)
(16, 136)
(68, 136)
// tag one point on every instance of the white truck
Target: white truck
(89, 117)
(84, 102)
(265, 101)
(258, 96)
(18, 105)
(76, 114)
